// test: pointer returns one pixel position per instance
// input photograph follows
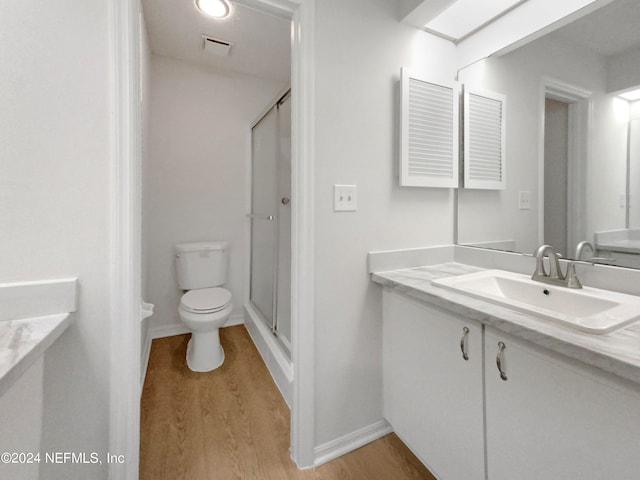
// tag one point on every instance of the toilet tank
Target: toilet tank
(201, 264)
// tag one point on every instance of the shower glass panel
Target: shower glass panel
(263, 215)
(270, 289)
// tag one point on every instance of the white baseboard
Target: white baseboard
(172, 329)
(347, 443)
(235, 319)
(161, 331)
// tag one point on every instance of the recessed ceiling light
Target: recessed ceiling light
(464, 16)
(214, 8)
(631, 95)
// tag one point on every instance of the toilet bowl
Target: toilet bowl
(204, 311)
(204, 308)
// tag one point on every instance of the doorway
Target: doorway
(125, 414)
(556, 163)
(563, 155)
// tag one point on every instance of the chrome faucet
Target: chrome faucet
(581, 247)
(555, 275)
(554, 264)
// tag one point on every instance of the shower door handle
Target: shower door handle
(270, 218)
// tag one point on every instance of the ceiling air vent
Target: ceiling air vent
(215, 46)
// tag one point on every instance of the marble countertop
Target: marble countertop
(23, 341)
(617, 352)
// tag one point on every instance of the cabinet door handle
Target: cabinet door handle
(463, 343)
(501, 347)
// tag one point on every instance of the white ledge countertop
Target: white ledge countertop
(23, 341)
(622, 246)
(617, 352)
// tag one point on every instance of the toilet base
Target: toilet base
(204, 352)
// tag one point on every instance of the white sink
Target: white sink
(587, 309)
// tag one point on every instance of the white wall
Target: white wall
(634, 165)
(623, 71)
(54, 201)
(360, 48)
(196, 174)
(607, 169)
(518, 75)
(634, 110)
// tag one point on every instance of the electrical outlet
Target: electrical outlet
(345, 198)
(524, 200)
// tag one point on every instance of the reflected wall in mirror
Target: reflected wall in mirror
(634, 168)
(572, 144)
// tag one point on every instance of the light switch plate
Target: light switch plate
(345, 198)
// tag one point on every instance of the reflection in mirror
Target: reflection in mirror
(634, 168)
(572, 143)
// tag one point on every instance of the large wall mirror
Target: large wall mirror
(572, 142)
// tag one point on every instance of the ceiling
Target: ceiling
(261, 42)
(610, 30)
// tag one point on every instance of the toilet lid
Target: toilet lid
(206, 299)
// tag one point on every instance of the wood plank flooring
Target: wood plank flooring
(232, 423)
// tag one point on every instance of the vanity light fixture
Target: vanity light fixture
(463, 17)
(631, 95)
(214, 8)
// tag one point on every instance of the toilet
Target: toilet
(205, 307)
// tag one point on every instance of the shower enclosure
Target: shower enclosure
(270, 223)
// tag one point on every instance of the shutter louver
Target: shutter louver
(429, 133)
(484, 139)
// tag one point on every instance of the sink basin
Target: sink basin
(588, 309)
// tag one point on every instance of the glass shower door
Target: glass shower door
(264, 210)
(270, 285)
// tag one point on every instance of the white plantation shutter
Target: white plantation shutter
(484, 140)
(428, 132)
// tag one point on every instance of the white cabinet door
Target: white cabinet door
(554, 418)
(432, 395)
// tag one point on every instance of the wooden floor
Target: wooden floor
(232, 423)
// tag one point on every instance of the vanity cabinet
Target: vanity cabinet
(556, 418)
(533, 415)
(432, 395)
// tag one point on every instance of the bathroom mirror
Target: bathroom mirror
(572, 143)
(634, 168)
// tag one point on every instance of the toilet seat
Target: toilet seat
(206, 300)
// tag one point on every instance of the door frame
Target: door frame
(126, 219)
